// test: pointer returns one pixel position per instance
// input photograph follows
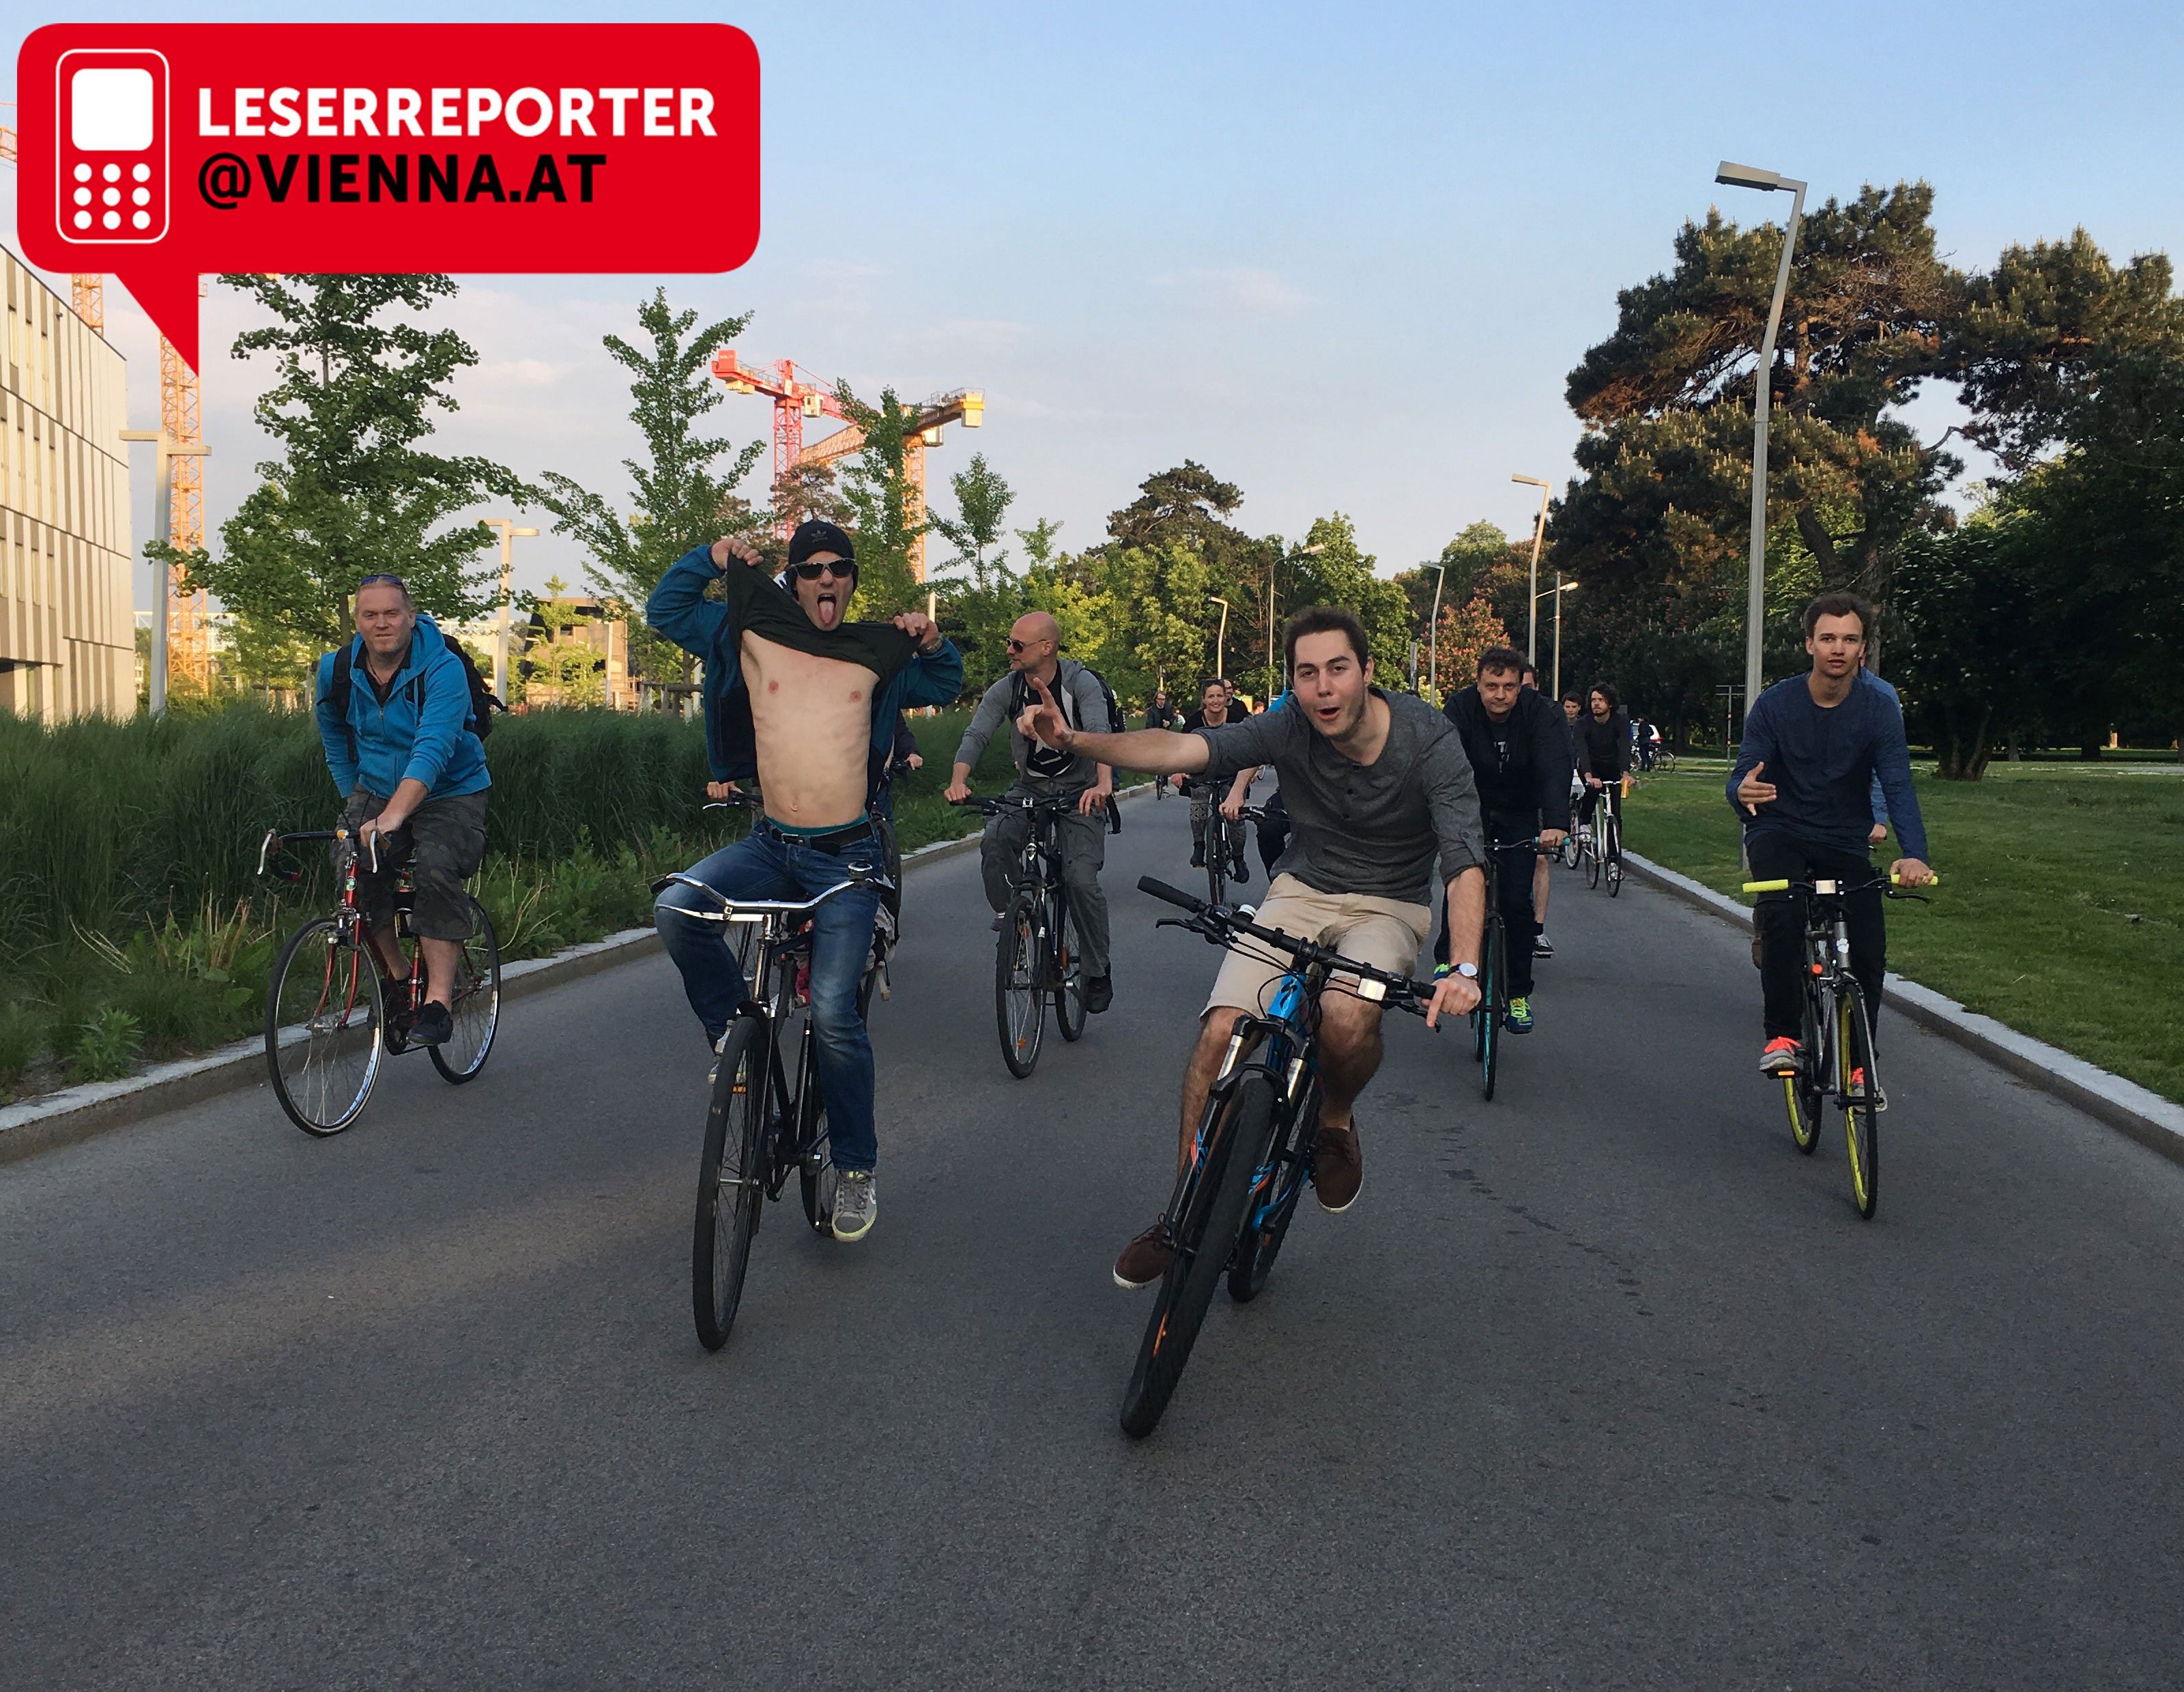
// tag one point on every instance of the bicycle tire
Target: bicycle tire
(476, 1007)
(1497, 969)
(1205, 1239)
(1069, 1013)
(731, 1180)
(324, 1063)
(1592, 851)
(1801, 1092)
(816, 1178)
(1019, 1006)
(1266, 1220)
(1614, 866)
(1861, 1121)
(1217, 865)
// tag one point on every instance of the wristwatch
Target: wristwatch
(1468, 972)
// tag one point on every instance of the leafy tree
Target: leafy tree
(987, 596)
(354, 492)
(561, 668)
(809, 490)
(1481, 547)
(882, 505)
(1466, 632)
(1187, 505)
(265, 658)
(1329, 569)
(682, 493)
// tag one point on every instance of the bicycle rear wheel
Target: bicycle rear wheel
(477, 1002)
(1069, 968)
(1205, 1238)
(1613, 869)
(1281, 1177)
(1019, 1004)
(324, 1009)
(731, 1179)
(1861, 1121)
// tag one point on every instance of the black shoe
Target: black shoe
(1543, 947)
(1099, 993)
(435, 1025)
(1198, 857)
(1240, 871)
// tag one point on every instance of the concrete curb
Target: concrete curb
(2145, 1115)
(77, 1113)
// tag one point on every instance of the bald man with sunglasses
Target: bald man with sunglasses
(1035, 657)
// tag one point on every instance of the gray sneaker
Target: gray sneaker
(856, 1202)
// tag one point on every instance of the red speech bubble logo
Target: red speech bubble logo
(157, 152)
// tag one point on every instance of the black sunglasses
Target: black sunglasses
(841, 571)
(383, 582)
(1023, 645)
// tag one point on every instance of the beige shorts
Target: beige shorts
(1387, 933)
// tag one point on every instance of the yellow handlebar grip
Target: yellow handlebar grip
(1767, 887)
(1895, 880)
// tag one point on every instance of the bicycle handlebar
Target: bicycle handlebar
(1784, 885)
(757, 910)
(1221, 923)
(1056, 803)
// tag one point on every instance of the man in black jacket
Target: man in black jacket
(1520, 760)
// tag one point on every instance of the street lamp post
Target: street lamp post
(1433, 635)
(1538, 534)
(509, 533)
(1221, 640)
(1755, 590)
(168, 449)
(1561, 588)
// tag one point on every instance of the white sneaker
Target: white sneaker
(856, 1202)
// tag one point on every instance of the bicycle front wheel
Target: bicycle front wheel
(477, 1002)
(1493, 1001)
(1217, 865)
(324, 1010)
(1857, 1086)
(1613, 869)
(1591, 848)
(1801, 1092)
(731, 1180)
(1279, 1185)
(1019, 1001)
(1069, 968)
(1204, 1240)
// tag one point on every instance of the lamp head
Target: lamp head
(1746, 176)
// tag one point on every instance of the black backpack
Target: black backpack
(483, 701)
(1021, 696)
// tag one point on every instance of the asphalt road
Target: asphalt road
(1599, 1385)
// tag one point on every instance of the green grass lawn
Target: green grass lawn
(2060, 909)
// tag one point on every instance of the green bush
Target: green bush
(106, 1050)
(23, 1034)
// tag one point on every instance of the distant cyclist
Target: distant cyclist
(1519, 763)
(405, 758)
(1215, 710)
(1160, 714)
(1035, 655)
(1606, 734)
(1812, 747)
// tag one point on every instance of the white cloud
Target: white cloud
(1238, 287)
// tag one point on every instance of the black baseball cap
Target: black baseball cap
(816, 534)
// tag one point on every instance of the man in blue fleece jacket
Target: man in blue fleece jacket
(405, 758)
(1813, 747)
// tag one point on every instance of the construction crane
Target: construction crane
(798, 399)
(189, 629)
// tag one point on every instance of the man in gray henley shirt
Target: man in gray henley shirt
(1382, 805)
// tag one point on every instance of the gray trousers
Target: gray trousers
(445, 840)
(1083, 851)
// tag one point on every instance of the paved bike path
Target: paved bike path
(1599, 1385)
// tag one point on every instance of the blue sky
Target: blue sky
(1344, 259)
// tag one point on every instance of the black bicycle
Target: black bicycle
(1219, 843)
(765, 1118)
(1835, 1055)
(334, 1008)
(1038, 954)
(1253, 1154)
(1493, 973)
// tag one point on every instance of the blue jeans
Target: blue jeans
(763, 866)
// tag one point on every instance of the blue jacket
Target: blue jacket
(679, 609)
(1823, 764)
(421, 733)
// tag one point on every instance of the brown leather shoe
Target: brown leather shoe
(1338, 1167)
(1145, 1259)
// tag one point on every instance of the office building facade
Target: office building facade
(67, 624)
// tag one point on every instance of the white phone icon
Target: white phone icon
(112, 162)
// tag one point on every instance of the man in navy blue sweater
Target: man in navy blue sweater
(1813, 747)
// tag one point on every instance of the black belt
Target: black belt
(832, 842)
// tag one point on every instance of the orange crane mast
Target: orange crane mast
(797, 398)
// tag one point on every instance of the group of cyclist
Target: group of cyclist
(1384, 798)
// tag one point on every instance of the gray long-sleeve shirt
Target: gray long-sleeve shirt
(1083, 704)
(1377, 828)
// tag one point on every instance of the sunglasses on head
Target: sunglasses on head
(839, 569)
(383, 582)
